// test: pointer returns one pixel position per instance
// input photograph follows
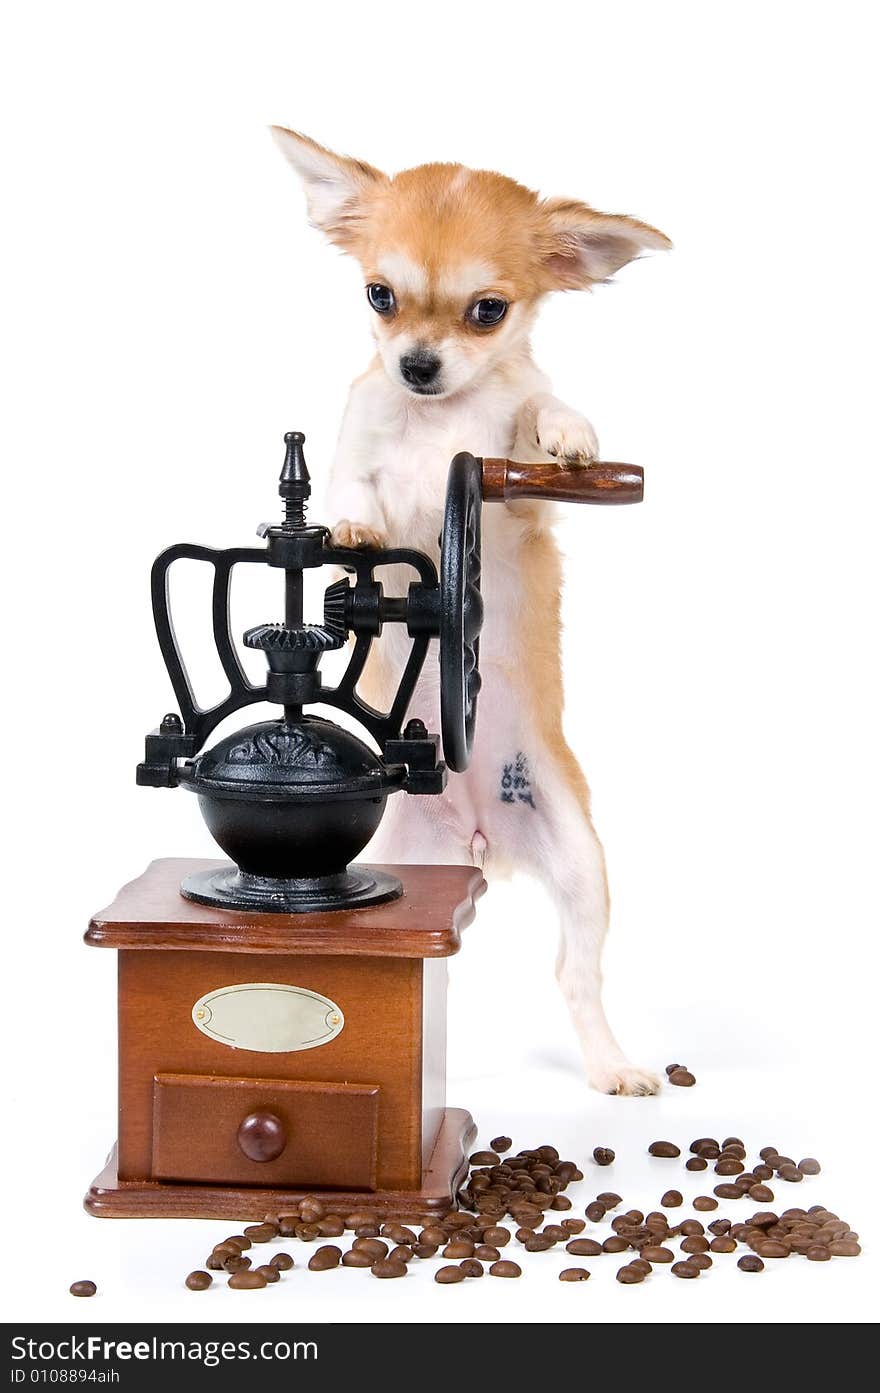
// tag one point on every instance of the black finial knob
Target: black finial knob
(294, 485)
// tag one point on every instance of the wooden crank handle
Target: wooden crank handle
(505, 480)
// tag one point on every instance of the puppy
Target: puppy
(456, 263)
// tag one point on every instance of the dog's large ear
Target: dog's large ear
(580, 247)
(337, 188)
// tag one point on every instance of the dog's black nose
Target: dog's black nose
(419, 369)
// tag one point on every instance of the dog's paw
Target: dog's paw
(565, 435)
(355, 534)
(624, 1079)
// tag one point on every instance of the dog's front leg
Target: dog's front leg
(546, 425)
(352, 496)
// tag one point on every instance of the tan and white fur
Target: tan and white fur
(443, 239)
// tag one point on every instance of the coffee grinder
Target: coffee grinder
(282, 1013)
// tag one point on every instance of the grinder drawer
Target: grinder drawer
(267, 1132)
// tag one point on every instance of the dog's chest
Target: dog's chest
(409, 463)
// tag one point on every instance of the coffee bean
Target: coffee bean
(199, 1281)
(287, 1225)
(653, 1252)
(561, 1202)
(269, 1272)
(696, 1163)
(641, 1265)
(609, 1199)
(664, 1148)
(573, 1226)
(705, 1202)
(402, 1253)
(790, 1172)
(446, 1276)
(496, 1235)
(503, 1268)
(844, 1248)
(719, 1226)
(697, 1146)
(484, 1158)
(809, 1166)
(671, 1068)
(574, 1274)
(655, 1222)
(325, 1258)
(685, 1269)
(750, 1263)
(583, 1248)
(374, 1247)
(261, 1233)
(307, 1232)
(556, 1233)
(356, 1257)
(682, 1078)
(603, 1155)
(389, 1267)
(358, 1217)
(672, 1199)
(236, 1264)
(332, 1226)
(283, 1261)
(614, 1244)
(459, 1248)
(595, 1212)
(471, 1267)
(728, 1192)
(311, 1209)
(538, 1243)
(729, 1167)
(225, 1250)
(817, 1252)
(700, 1260)
(689, 1227)
(250, 1280)
(486, 1252)
(762, 1193)
(630, 1275)
(762, 1173)
(84, 1288)
(770, 1248)
(695, 1243)
(241, 1243)
(767, 1151)
(723, 1244)
(500, 1145)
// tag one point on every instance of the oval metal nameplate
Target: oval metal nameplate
(268, 1017)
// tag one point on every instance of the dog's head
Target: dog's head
(456, 260)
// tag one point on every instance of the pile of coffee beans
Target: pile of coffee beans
(528, 1189)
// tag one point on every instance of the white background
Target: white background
(169, 314)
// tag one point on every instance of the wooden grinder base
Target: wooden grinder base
(365, 1113)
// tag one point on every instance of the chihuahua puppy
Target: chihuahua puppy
(456, 263)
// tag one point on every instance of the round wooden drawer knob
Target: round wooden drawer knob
(261, 1136)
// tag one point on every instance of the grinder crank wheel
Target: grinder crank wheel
(461, 610)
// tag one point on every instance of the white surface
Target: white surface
(169, 315)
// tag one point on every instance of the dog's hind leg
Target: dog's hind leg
(556, 839)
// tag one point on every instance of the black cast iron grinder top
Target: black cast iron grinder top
(293, 801)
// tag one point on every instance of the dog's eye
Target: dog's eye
(488, 312)
(381, 297)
